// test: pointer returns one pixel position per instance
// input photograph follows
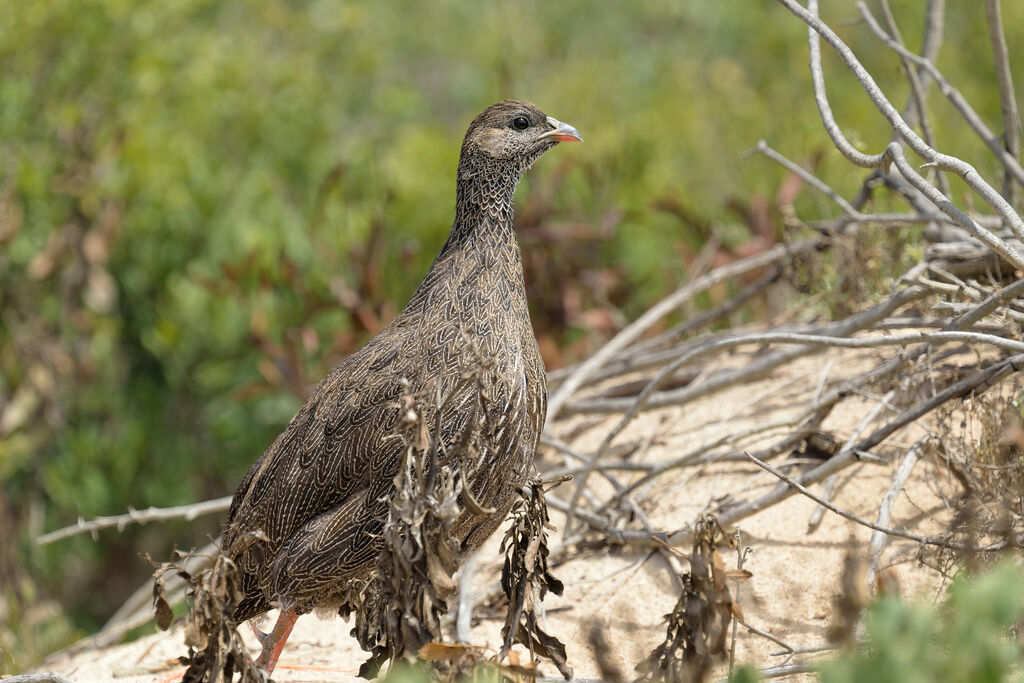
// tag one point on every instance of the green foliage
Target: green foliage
(973, 636)
(404, 671)
(205, 205)
(745, 674)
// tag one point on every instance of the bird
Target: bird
(306, 520)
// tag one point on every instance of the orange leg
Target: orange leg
(274, 641)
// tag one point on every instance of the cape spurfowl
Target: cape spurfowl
(317, 499)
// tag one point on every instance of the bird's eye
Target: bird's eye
(521, 123)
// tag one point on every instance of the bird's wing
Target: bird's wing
(341, 441)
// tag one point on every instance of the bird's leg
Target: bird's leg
(274, 641)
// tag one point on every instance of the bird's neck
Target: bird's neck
(484, 205)
(480, 263)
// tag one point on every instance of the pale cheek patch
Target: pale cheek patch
(493, 142)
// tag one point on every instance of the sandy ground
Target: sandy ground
(796, 573)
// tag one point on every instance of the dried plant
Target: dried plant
(982, 455)
(525, 578)
(698, 625)
(400, 610)
(215, 650)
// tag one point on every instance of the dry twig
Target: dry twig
(151, 514)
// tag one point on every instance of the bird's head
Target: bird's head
(515, 131)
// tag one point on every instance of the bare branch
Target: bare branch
(976, 123)
(649, 397)
(879, 539)
(978, 382)
(1004, 79)
(764, 365)
(152, 514)
(916, 92)
(766, 258)
(934, 158)
(930, 540)
(1001, 247)
(934, 20)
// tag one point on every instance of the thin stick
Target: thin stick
(764, 634)
(899, 479)
(929, 540)
(830, 484)
(151, 514)
(916, 91)
(808, 177)
(1007, 98)
(806, 650)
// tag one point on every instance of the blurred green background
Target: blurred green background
(204, 205)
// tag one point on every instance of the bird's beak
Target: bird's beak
(562, 132)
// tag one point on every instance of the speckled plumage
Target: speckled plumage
(319, 493)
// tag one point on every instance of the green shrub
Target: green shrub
(972, 636)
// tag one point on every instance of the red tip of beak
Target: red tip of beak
(562, 132)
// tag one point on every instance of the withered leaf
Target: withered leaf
(738, 574)
(440, 578)
(698, 625)
(530, 558)
(525, 579)
(164, 613)
(717, 569)
(546, 646)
